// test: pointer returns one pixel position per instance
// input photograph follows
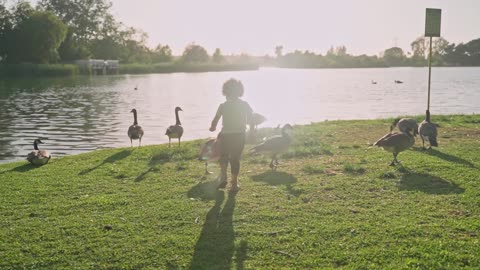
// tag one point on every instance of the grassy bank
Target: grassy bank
(178, 67)
(333, 202)
(38, 70)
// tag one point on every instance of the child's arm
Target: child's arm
(250, 120)
(213, 126)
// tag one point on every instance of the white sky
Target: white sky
(257, 26)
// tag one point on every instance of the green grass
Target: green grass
(333, 202)
(182, 67)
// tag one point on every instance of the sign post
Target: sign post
(433, 19)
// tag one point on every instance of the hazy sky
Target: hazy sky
(257, 26)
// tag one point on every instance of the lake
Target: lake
(74, 115)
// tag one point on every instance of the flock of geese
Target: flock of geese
(400, 141)
(394, 142)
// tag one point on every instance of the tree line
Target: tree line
(444, 53)
(56, 31)
(61, 31)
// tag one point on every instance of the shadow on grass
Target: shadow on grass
(216, 245)
(427, 183)
(275, 178)
(111, 159)
(205, 191)
(22, 168)
(448, 157)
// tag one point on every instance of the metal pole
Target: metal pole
(429, 73)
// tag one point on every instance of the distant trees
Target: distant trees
(36, 39)
(162, 54)
(394, 57)
(217, 56)
(195, 54)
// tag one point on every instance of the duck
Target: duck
(397, 81)
(404, 123)
(175, 131)
(396, 142)
(38, 157)
(210, 151)
(428, 132)
(275, 145)
(135, 132)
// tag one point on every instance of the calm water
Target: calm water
(83, 114)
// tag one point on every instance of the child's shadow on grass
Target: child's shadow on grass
(427, 183)
(111, 159)
(215, 247)
(275, 178)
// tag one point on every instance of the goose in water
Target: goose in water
(275, 145)
(135, 132)
(38, 157)
(428, 132)
(396, 142)
(175, 131)
(405, 123)
(374, 82)
(210, 152)
(397, 81)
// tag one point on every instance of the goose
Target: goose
(175, 131)
(38, 157)
(135, 132)
(210, 152)
(396, 142)
(405, 123)
(374, 82)
(397, 81)
(275, 145)
(428, 131)
(136, 87)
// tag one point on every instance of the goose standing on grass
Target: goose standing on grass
(275, 145)
(405, 123)
(175, 131)
(135, 132)
(396, 143)
(210, 152)
(428, 132)
(38, 157)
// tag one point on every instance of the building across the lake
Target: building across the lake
(99, 66)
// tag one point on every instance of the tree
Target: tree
(394, 56)
(195, 53)
(217, 56)
(161, 54)
(36, 39)
(6, 26)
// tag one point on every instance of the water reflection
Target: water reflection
(75, 115)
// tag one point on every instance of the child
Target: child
(235, 114)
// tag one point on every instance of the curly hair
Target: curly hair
(232, 88)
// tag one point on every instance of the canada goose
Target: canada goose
(396, 142)
(374, 82)
(405, 123)
(38, 157)
(428, 131)
(275, 145)
(135, 132)
(210, 152)
(135, 88)
(175, 131)
(397, 81)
